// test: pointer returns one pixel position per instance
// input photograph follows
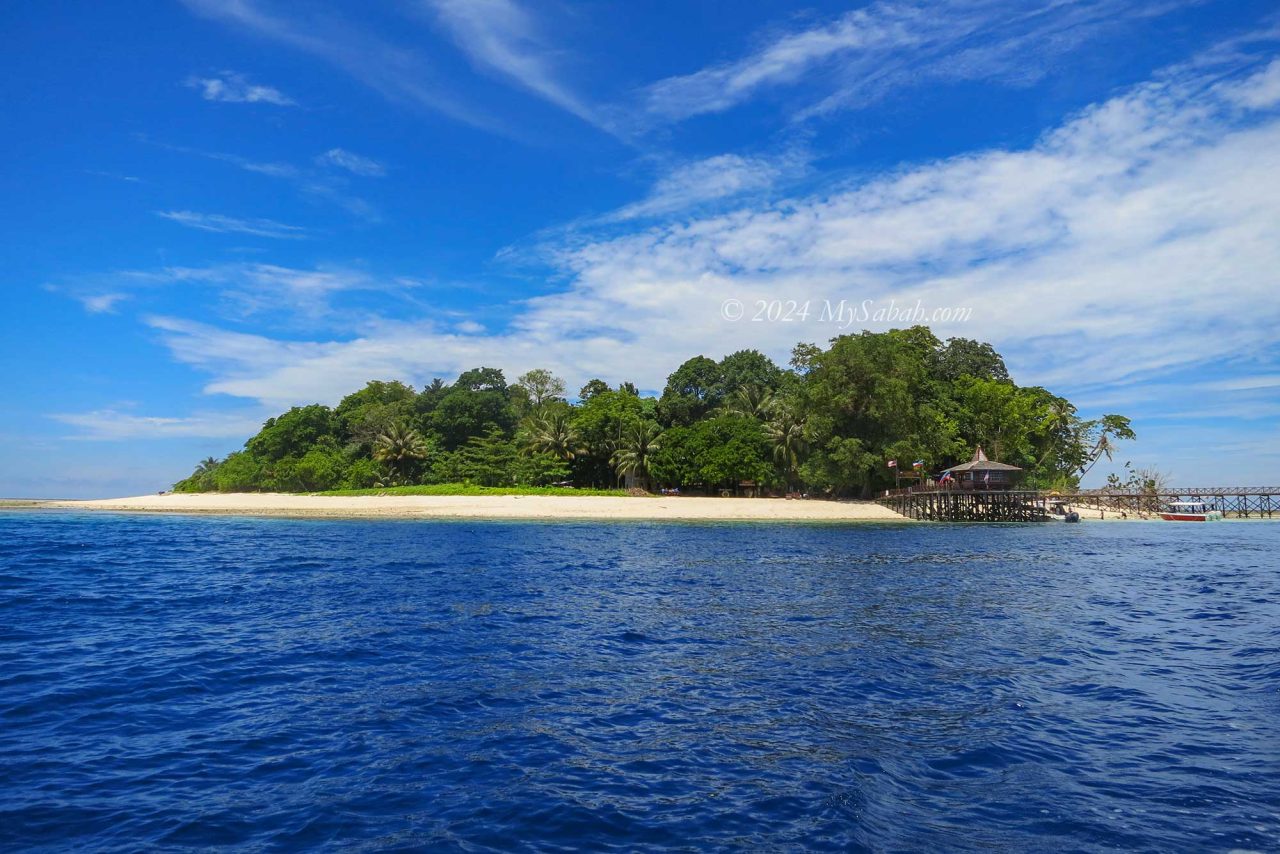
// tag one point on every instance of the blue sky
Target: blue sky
(214, 210)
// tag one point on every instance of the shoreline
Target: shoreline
(544, 507)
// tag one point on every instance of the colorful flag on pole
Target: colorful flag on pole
(946, 476)
(918, 464)
(893, 464)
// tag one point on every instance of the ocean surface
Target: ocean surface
(270, 684)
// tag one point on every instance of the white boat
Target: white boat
(1189, 511)
(1057, 511)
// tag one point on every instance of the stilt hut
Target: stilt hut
(983, 475)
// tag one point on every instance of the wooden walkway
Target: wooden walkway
(1243, 502)
(1027, 505)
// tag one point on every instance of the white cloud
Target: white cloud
(231, 225)
(101, 303)
(290, 297)
(233, 88)
(712, 179)
(878, 30)
(500, 36)
(1249, 383)
(353, 163)
(1259, 91)
(112, 424)
(867, 53)
(1142, 236)
(248, 289)
(279, 373)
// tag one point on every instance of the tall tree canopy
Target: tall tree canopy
(478, 401)
(747, 369)
(693, 390)
(364, 414)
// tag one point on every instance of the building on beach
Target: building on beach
(981, 474)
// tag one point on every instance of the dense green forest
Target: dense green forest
(826, 425)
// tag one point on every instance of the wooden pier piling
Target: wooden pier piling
(940, 504)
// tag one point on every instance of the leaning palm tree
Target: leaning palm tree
(207, 465)
(399, 446)
(785, 430)
(1103, 448)
(635, 451)
(553, 434)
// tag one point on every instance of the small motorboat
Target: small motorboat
(1059, 512)
(1189, 511)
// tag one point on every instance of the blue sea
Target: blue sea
(272, 684)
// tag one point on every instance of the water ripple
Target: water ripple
(271, 684)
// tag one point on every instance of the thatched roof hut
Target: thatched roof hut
(982, 473)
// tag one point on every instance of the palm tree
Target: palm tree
(399, 446)
(1103, 448)
(786, 431)
(1105, 427)
(753, 401)
(1056, 426)
(636, 449)
(206, 466)
(202, 478)
(553, 434)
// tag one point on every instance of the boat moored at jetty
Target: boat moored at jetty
(1059, 511)
(1189, 511)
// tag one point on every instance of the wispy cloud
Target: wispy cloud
(248, 289)
(863, 55)
(94, 299)
(232, 225)
(353, 163)
(310, 182)
(114, 425)
(288, 297)
(713, 179)
(117, 176)
(501, 37)
(230, 87)
(1137, 239)
(398, 73)
(1247, 383)
(102, 303)
(272, 169)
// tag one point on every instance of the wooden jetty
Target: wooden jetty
(1241, 502)
(959, 505)
(930, 502)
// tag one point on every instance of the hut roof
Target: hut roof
(981, 463)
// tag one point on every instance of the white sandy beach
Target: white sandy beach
(1091, 514)
(496, 507)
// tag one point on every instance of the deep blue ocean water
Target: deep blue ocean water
(275, 684)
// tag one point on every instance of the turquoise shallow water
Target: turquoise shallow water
(269, 684)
